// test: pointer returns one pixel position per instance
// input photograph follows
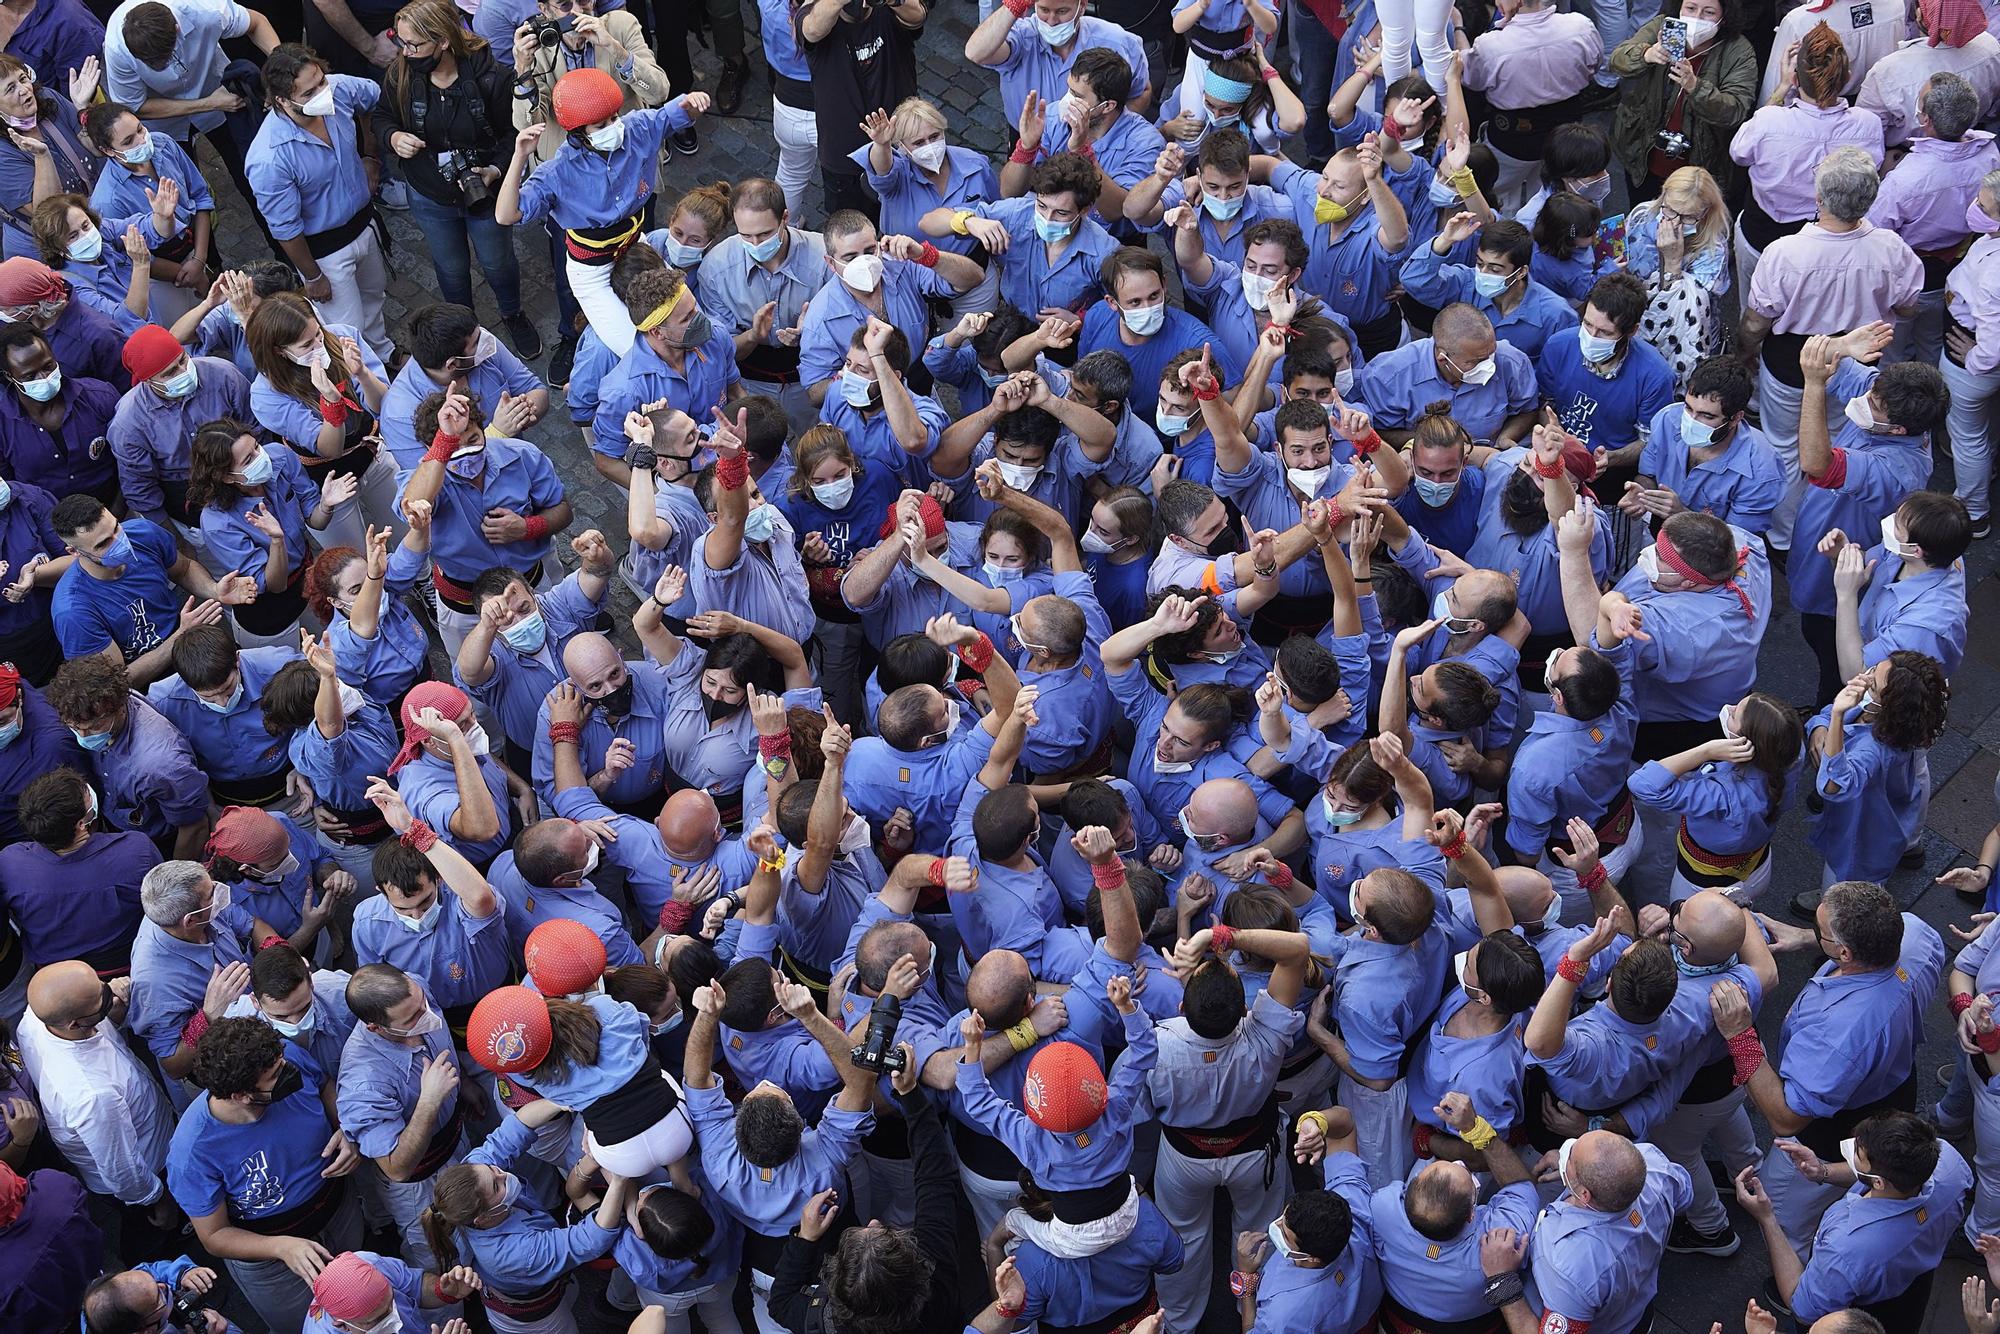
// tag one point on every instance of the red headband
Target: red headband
(1670, 557)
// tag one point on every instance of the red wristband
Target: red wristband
(1024, 154)
(1284, 329)
(565, 732)
(1747, 1051)
(674, 915)
(1008, 1312)
(775, 747)
(333, 411)
(538, 528)
(420, 836)
(1279, 876)
(1960, 1004)
(1420, 1138)
(437, 1290)
(928, 256)
(1369, 443)
(978, 655)
(1572, 971)
(1593, 879)
(441, 444)
(1088, 153)
(1989, 1041)
(732, 471)
(1455, 849)
(1221, 938)
(1110, 875)
(1214, 391)
(192, 1030)
(273, 939)
(1551, 471)
(1335, 515)
(936, 874)
(1267, 74)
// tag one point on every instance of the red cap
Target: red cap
(564, 957)
(443, 696)
(149, 351)
(350, 1288)
(1065, 1090)
(247, 836)
(586, 96)
(10, 685)
(509, 1030)
(932, 512)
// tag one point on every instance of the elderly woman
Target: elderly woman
(1678, 245)
(1785, 141)
(1675, 112)
(912, 170)
(46, 158)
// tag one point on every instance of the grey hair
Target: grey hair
(1949, 104)
(1991, 182)
(1846, 183)
(171, 891)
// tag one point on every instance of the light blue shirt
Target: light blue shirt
(306, 185)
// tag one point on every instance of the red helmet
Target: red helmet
(564, 957)
(509, 1030)
(586, 96)
(1065, 1089)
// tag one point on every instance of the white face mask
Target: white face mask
(478, 740)
(1308, 481)
(1020, 476)
(1145, 321)
(1343, 384)
(1858, 412)
(834, 495)
(929, 156)
(608, 138)
(855, 836)
(1890, 539)
(1700, 31)
(1726, 716)
(1095, 545)
(1161, 766)
(863, 273)
(1257, 290)
(1479, 372)
(351, 700)
(1649, 565)
(320, 103)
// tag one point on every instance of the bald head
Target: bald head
(1527, 891)
(1464, 334)
(64, 992)
(593, 663)
(121, 1301)
(1846, 1322)
(1439, 1200)
(1713, 925)
(690, 825)
(1224, 806)
(1606, 1171)
(1000, 988)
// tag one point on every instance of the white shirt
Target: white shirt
(193, 73)
(102, 1109)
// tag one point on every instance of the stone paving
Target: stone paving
(1694, 1291)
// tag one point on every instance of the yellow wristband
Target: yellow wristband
(770, 863)
(1317, 1118)
(958, 221)
(1479, 1134)
(1463, 182)
(1022, 1035)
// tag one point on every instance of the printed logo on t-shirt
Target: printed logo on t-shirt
(1861, 16)
(263, 1190)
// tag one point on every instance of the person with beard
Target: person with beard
(624, 746)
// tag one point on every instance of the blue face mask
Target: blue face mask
(258, 470)
(235, 698)
(1595, 350)
(6, 493)
(1003, 574)
(9, 733)
(302, 1027)
(44, 388)
(1695, 434)
(86, 249)
(528, 634)
(1052, 231)
(1339, 819)
(1222, 208)
(683, 256)
(1699, 969)
(1170, 424)
(1435, 494)
(179, 385)
(138, 154)
(768, 248)
(118, 553)
(1490, 285)
(760, 524)
(858, 390)
(100, 741)
(467, 467)
(993, 379)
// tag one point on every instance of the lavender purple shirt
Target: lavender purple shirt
(1781, 147)
(1819, 281)
(1924, 199)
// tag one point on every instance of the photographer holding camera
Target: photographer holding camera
(560, 36)
(171, 1296)
(446, 113)
(1686, 80)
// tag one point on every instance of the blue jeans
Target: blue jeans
(445, 228)
(1317, 52)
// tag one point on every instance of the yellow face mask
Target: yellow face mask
(1326, 210)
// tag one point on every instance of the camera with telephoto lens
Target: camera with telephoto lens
(189, 1312)
(549, 31)
(1672, 142)
(459, 168)
(878, 1052)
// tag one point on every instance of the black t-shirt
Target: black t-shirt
(865, 63)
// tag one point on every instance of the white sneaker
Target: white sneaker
(395, 194)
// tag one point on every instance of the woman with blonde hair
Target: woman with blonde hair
(318, 388)
(1678, 245)
(1786, 140)
(912, 170)
(525, 1256)
(696, 222)
(446, 112)
(108, 261)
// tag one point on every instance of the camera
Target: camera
(189, 1312)
(878, 1052)
(549, 31)
(1672, 142)
(461, 169)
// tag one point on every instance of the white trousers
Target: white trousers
(1576, 910)
(590, 284)
(715, 1302)
(1184, 1188)
(1745, 891)
(1970, 423)
(1382, 1126)
(1693, 1124)
(798, 152)
(1426, 21)
(760, 1304)
(658, 1146)
(1985, 1213)
(359, 275)
(1778, 408)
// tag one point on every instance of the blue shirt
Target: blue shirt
(851, 529)
(170, 977)
(521, 682)
(151, 435)
(1090, 1289)
(146, 777)
(1385, 995)
(1603, 1269)
(290, 497)
(1263, 494)
(1029, 277)
(1454, 525)
(458, 957)
(266, 1167)
(1486, 1069)
(906, 192)
(1613, 412)
(304, 184)
(387, 664)
(642, 854)
(1239, 326)
(1873, 802)
(121, 193)
(501, 373)
(518, 477)
(1094, 1156)
(1335, 1298)
(220, 335)
(298, 419)
(1353, 272)
(1399, 385)
(835, 312)
(768, 1199)
(528, 906)
(1103, 327)
(1568, 767)
(1032, 65)
(1166, 793)
(1852, 1039)
(781, 53)
(1741, 486)
(1869, 477)
(281, 906)
(380, 1082)
(873, 439)
(1259, 202)
(231, 743)
(74, 457)
(1702, 649)
(25, 533)
(929, 783)
(137, 610)
(44, 744)
(76, 905)
(652, 687)
(1533, 560)
(722, 1257)
(1442, 1280)
(1724, 808)
(1537, 318)
(581, 187)
(1869, 1249)
(1017, 910)
(1907, 606)
(339, 767)
(643, 376)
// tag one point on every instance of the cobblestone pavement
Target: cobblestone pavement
(1694, 1291)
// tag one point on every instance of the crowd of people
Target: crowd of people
(1122, 724)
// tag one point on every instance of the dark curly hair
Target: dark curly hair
(874, 1281)
(234, 1054)
(1913, 700)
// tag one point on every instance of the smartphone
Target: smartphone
(1674, 38)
